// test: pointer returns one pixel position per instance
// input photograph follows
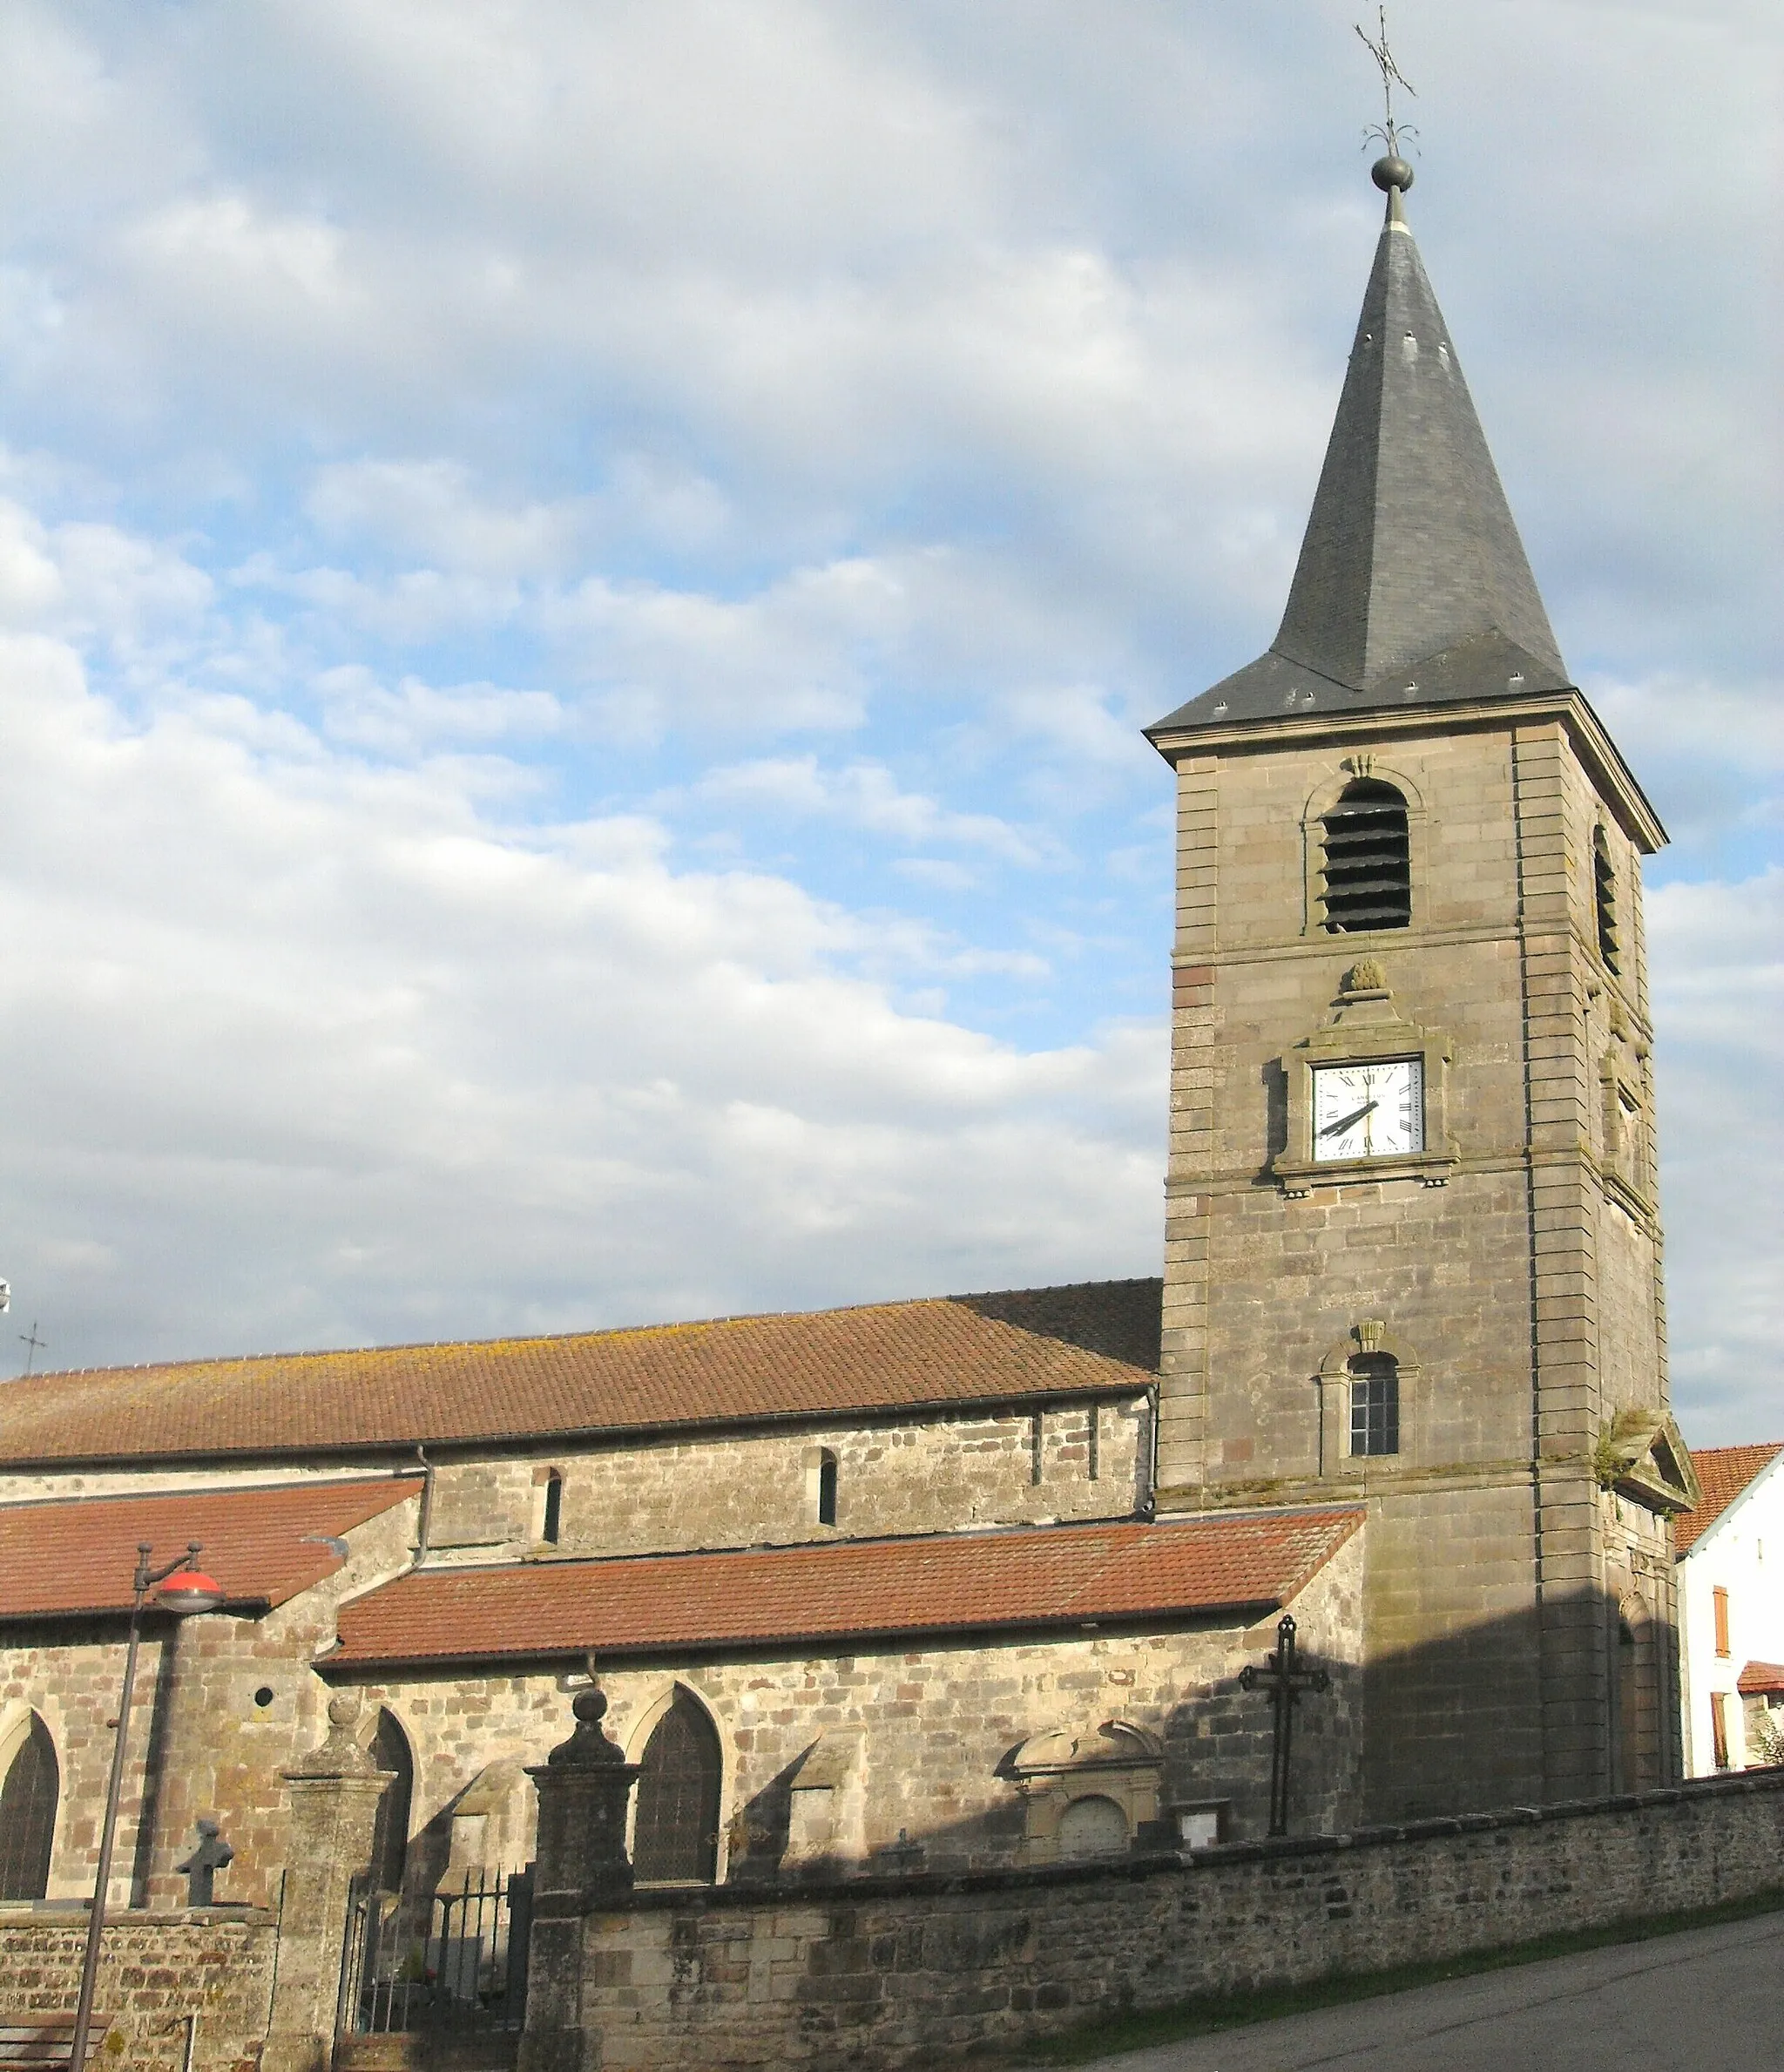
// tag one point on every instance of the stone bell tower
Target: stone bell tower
(1413, 1241)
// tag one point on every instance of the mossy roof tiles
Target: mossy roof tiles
(1098, 1337)
(76, 1557)
(841, 1593)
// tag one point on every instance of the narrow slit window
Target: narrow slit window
(552, 1511)
(1375, 1404)
(1367, 874)
(1604, 893)
(827, 1488)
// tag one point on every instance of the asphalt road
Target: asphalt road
(1707, 1997)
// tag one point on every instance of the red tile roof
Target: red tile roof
(1100, 1337)
(1723, 1472)
(842, 1592)
(77, 1557)
(1760, 1679)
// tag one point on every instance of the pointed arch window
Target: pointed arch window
(1605, 901)
(1375, 1404)
(1366, 874)
(675, 1835)
(389, 1751)
(28, 1816)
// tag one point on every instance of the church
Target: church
(972, 1582)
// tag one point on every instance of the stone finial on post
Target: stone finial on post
(335, 1793)
(585, 1786)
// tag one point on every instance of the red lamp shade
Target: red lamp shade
(189, 1590)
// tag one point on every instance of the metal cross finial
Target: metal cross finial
(32, 1343)
(1386, 130)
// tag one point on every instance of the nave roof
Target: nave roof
(1094, 1339)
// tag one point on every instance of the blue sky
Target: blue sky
(578, 585)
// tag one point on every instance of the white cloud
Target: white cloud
(1717, 953)
(865, 796)
(316, 1052)
(456, 432)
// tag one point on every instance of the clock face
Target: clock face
(1376, 1110)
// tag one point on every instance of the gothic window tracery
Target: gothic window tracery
(28, 1816)
(389, 1751)
(675, 1836)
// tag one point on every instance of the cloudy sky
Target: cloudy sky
(578, 580)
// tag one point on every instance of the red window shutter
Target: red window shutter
(1721, 1600)
(1719, 1727)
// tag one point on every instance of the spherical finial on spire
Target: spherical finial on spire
(1391, 172)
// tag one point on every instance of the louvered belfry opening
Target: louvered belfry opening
(1367, 862)
(28, 1816)
(675, 1837)
(1604, 889)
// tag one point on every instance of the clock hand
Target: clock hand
(1344, 1122)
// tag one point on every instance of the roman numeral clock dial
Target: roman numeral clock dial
(1376, 1110)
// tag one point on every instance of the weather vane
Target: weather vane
(1386, 130)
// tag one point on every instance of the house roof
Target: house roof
(1761, 1679)
(842, 1592)
(1725, 1472)
(77, 1557)
(1099, 1338)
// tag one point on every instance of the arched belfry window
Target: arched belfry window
(1366, 866)
(1375, 1402)
(1605, 900)
(675, 1833)
(827, 1487)
(389, 1751)
(28, 1816)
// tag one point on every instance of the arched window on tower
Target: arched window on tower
(28, 1816)
(1604, 897)
(1366, 876)
(1375, 1402)
(389, 1751)
(675, 1833)
(827, 1487)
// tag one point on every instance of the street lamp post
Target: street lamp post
(180, 1587)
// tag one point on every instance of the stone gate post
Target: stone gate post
(584, 1787)
(334, 1794)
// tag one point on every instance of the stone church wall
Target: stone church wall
(886, 1975)
(915, 1475)
(200, 1742)
(933, 1722)
(184, 1992)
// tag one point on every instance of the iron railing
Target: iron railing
(446, 1960)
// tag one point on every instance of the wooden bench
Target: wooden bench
(46, 2046)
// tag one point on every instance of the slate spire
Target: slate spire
(1413, 584)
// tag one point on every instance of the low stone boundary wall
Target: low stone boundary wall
(158, 1973)
(877, 1973)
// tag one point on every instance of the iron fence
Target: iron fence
(446, 1960)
